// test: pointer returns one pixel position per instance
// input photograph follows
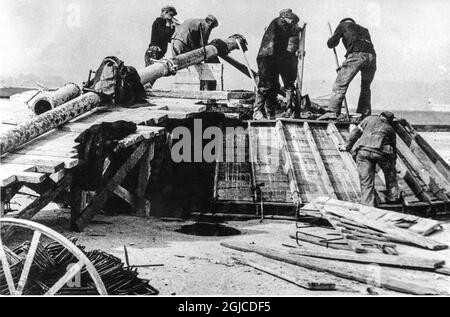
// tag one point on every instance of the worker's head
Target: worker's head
(347, 20)
(211, 21)
(387, 116)
(289, 16)
(168, 12)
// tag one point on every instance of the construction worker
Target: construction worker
(162, 30)
(373, 142)
(360, 57)
(276, 57)
(193, 34)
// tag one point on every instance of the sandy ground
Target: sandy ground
(194, 265)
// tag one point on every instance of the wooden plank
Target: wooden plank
(259, 263)
(125, 195)
(379, 258)
(174, 114)
(17, 167)
(145, 169)
(421, 170)
(391, 232)
(89, 212)
(41, 161)
(346, 157)
(42, 165)
(293, 185)
(319, 162)
(30, 177)
(32, 209)
(352, 272)
(7, 178)
(427, 156)
(128, 141)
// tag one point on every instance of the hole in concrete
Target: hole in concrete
(42, 106)
(208, 229)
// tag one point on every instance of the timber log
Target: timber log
(55, 117)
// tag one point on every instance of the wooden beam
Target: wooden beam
(89, 212)
(145, 169)
(421, 170)
(289, 167)
(346, 157)
(263, 265)
(32, 209)
(319, 162)
(354, 272)
(378, 258)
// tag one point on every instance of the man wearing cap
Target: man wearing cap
(276, 57)
(373, 142)
(193, 34)
(162, 31)
(360, 57)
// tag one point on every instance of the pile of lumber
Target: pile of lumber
(362, 226)
(360, 244)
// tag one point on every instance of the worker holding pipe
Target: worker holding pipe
(276, 57)
(373, 142)
(360, 57)
(193, 34)
(162, 31)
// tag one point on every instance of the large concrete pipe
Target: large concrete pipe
(169, 67)
(51, 119)
(47, 100)
(47, 121)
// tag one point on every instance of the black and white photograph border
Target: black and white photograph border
(206, 148)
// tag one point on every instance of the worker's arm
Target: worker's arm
(355, 134)
(333, 41)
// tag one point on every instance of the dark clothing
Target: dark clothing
(354, 37)
(276, 57)
(374, 142)
(366, 162)
(151, 54)
(365, 63)
(373, 134)
(276, 38)
(269, 71)
(161, 35)
(190, 35)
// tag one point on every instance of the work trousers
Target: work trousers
(355, 62)
(270, 69)
(366, 162)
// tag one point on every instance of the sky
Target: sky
(68, 37)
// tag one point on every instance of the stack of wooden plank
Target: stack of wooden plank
(360, 225)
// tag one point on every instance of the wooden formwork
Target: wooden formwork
(309, 165)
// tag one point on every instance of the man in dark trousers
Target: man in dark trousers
(373, 142)
(162, 31)
(276, 57)
(360, 57)
(193, 34)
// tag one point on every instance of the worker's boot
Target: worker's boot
(270, 108)
(259, 112)
(290, 104)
